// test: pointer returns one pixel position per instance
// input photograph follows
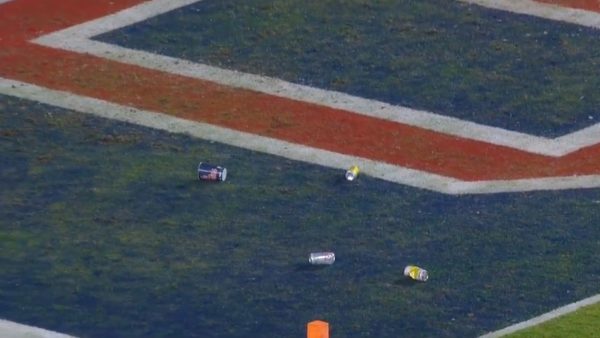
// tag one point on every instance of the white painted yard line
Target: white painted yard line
(561, 311)
(77, 39)
(385, 171)
(532, 184)
(222, 135)
(543, 10)
(15, 330)
(272, 86)
(565, 144)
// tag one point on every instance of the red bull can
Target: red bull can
(209, 172)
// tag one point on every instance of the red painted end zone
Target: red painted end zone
(588, 5)
(249, 111)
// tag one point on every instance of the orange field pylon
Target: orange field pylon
(317, 329)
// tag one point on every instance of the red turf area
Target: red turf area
(590, 5)
(248, 111)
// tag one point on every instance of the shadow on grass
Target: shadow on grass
(303, 267)
(406, 282)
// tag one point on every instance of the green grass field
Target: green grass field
(85, 229)
(581, 323)
(106, 232)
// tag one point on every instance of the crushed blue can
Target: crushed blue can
(209, 172)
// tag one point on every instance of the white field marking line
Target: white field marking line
(83, 104)
(381, 170)
(15, 330)
(545, 317)
(222, 135)
(4, 1)
(78, 39)
(543, 10)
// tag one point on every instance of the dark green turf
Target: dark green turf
(104, 232)
(491, 67)
(582, 324)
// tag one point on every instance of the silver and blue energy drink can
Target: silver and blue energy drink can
(209, 172)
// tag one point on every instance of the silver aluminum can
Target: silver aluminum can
(321, 258)
(209, 172)
(417, 273)
(352, 173)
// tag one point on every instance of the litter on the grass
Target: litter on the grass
(209, 172)
(416, 273)
(321, 258)
(352, 173)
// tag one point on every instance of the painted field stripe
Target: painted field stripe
(276, 87)
(415, 178)
(270, 116)
(588, 5)
(248, 112)
(291, 121)
(42, 21)
(561, 311)
(406, 150)
(15, 330)
(78, 39)
(209, 132)
(543, 10)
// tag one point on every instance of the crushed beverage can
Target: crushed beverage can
(416, 273)
(352, 173)
(321, 258)
(209, 172)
